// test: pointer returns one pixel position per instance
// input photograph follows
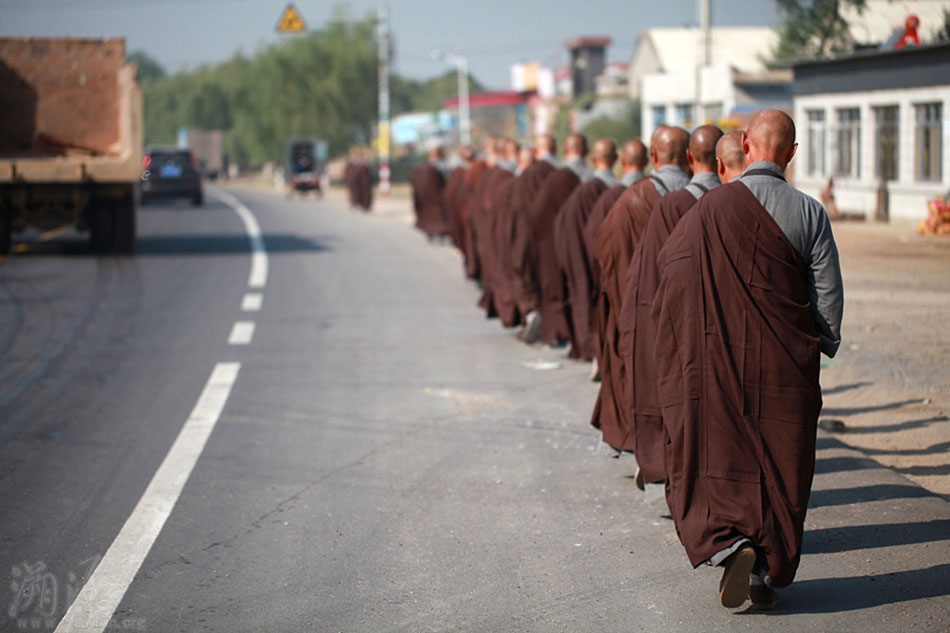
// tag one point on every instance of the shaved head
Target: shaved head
(669, 147)
(701, 152)
(546, 144)
(604, 154)
(466, 153)
(634, 155)
(525, 157)
(730, 158)
(512, 147)
(575, 145)
(771, 137)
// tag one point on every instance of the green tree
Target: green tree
(813, 29)
(619, 130)
(149, 69)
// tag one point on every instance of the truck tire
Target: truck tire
(6, 231)
(123, 223)
(112, 223)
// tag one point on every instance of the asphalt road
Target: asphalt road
(385, 459)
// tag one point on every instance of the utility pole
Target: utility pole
(382, 37)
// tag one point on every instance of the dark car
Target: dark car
(170, 173)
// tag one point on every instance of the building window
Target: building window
(659, 115)
(713, 113)
(848, 143)
(684, 114)
(929, 146)
(886, 142)
(816, 142)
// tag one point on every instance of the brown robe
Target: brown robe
(517, 235)
(348, 174)
(604, 203)
(361, 186)
(575, 265)
(473, 179)
(452, 198)
(427, 185)
(737, 364)
(542, 214)
(483, 231)
(614, 242)
(637, 336)
(503, 289)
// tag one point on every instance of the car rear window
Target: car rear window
(160, 159)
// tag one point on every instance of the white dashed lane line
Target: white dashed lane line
(93, 609)
(242, 333)
(252, 302)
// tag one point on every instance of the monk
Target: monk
(360, 183)
(476, 171)
(428, 181)
(515, 234)
(549, 321)
(453, 196)
(572, 252)
(633, 160)
(730, 159)
(751, 293)
(491, 194)
(614, 242)
(645, 428)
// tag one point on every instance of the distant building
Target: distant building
(872, 119)
(690, 76)
(497, 114)
(588, 60)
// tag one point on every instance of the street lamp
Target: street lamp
(461, 66)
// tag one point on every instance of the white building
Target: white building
(689, 76)
(875, 119)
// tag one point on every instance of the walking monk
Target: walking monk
(614, 243)
(645, 427)
(572, 252)
(516, 235)
(750, 292)
(428, 182)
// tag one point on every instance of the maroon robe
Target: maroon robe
(483, 231)
(604, 203)
(473, 179)
(737, 364)
(348, 173)
(427, 185)
(517, 235)
(637, 336)
(615, 241)
(452, 199)
(361, 183)
(542, 213)
(575, 265)
(503, 289)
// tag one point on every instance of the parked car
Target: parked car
(170, 173)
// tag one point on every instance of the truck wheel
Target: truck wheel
(6, 231)
(123, 224)
(100, 226)
(198, 200)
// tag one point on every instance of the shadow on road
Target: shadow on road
(897, 427)
(834, 595)
(843, 388)
(866, 494)
(831, 411)
(826, 465)
(188, 245)
(855, 537)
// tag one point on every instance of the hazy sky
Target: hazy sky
(493, 34)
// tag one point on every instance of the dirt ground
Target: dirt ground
(890, 382)
(887, 392)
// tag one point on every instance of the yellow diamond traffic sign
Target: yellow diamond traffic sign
(290, 21)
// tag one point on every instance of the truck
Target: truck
(208, 148)
(70, 139)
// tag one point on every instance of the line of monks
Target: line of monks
(702, 293)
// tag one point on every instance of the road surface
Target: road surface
(340, 442)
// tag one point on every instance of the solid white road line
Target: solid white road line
(259, 264)
(242, 333)
(93, 608)
(252, 302)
